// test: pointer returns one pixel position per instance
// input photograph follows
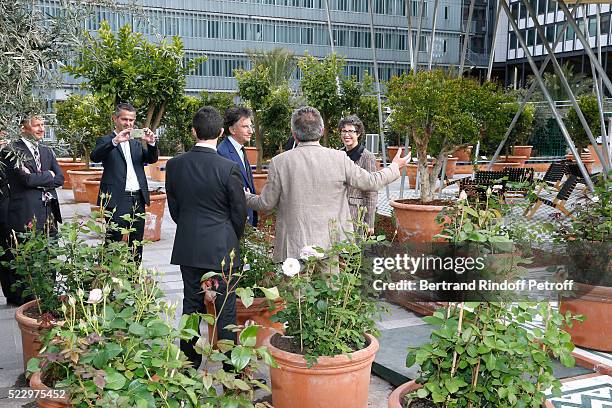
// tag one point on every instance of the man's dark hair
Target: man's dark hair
(207, 123)
(233, 115)
(124, 106)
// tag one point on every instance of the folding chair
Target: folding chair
(517, 181)
(553, 176)
(558, 202)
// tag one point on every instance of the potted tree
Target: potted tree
(81, 120)
(590, 109)
(326, 355)
(439, 113)
(587, 245)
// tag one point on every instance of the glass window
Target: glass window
(550, 33)
(379, 40)
(514, 8)
(592, 26)
(522, 11)
(512, 40)
(306, 37)
(340, 37)
(446, 12)
(213, 28)
(605, 23)
(416, 7)
(552, 6)
(423, 43)
(379, 6)
(530, 37)
(444, 44)
(538, 38)
(569, 33)
(360, 6)
(542, 6)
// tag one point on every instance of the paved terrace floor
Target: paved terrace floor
(157, 256)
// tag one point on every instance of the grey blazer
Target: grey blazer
(308, 186)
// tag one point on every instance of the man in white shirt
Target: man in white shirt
(123, 188)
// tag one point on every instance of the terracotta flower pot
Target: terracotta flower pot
(451, 166)
(48, 401)
(157, 170)
(411, 171)
(67, 164)
(522, 151)
(391, 152)
(78, 177)
(416, 222)
(464, 154)
(500, 166)
(92, 189)
(396, 397)
(259, 312)
(586, 158)
(339, 381)
(595, 303)
(260, 180)
(594, 154)
(514, 159)
(154, 216)
(251, 153)
(30, 332)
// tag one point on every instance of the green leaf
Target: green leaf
(240, 357)
(433, 320)
(241, 385)
(137, 329)
(410, 359)
(270, 293)
(33, 365)
(246, 295)
(248, 337)
(422, 393)
(114, 379)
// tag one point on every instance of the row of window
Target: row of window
(519, 10)
(242, 29)
(551, 31)
(225, 66)
(391, 7)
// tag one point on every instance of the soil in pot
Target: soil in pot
(419, 403)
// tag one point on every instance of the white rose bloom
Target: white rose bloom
(463, 195)
(309, 251)
(291, 267)
(95, 296)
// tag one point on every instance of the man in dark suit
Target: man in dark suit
(238, 123)
(123, 188)
(206, 200)
(32, 174)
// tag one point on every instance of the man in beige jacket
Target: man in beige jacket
(308, 188)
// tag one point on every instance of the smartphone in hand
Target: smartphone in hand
(137, 133)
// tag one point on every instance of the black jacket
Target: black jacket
(206, 200)
(115, 166)
(25, 190)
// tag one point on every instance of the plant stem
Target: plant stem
(454, 367)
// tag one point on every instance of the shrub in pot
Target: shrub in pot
(587, 242)
(441, 114)
(117, 347)
(326, 355)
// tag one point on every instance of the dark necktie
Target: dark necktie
(36, 154)
(247, 165)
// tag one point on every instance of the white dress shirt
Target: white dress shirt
(131, 181)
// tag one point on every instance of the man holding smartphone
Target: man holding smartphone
(123, 188)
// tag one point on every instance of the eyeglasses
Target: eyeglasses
(348, 132)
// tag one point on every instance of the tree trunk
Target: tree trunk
(325, 132)
(150, 112)
(258, 142)
(158, 118)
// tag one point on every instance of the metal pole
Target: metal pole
(532, 88)
(329, 26)
(555, 112)
(378, 99)
(418, 36)
(466, 37)
(557, 67)
(410, 48)
(599, 88)
(477, 152)
(433, 33)
(492, 54)
(405, 171)
(442, 176)
(585, 44)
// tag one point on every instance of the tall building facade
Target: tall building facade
(511, 65)
(223, 30)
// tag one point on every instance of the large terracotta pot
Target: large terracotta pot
(391, 152)
(595, 304)
(30, 332)
(594, 153)
(463, 154)
(522, 151)
(157, 170)
(260, 180)
(154, 216)
(67, 164)
(451, 166)
(78, 177)
(416, 222)
(48, 401)
(396, 397)
(586, 158)
(500, 166)
(259, 312)
(513, 159)
(411, 171)
(92, 189)
(251, 153)
(339, 381)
